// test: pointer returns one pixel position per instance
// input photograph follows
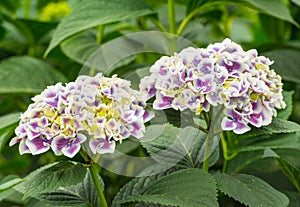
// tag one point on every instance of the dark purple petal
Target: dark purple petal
(58, 143)
(38, 145)
(71, 151)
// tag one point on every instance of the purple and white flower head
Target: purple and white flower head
(61, 117)
(53, 121)
(221, 74)
(115, 112)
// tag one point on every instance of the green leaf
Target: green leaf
(80, 47)
(288, 99)
(9, 119)
(62, 174)
(242, 160)
(7, 125)
(23, 74)
(10, 5)
(170, 145)
(6, 134)
(284, 141)
(185, 188)
(277, 126)
(297, 2)
(286, 63)
(35, 30)
(294, 198)
(250, 190)
(82, 193)
(138, 184)
(10, 184)
(292, 172)
(91, 13)
(193, 4)
(274, 8)
(7, 184)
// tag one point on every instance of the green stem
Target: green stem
(94, 173)
(158, 24)
(172, 19)
(192, 14)
(186, 20)
(27, 6)
(98, 40)
(209, 139)
(225, 153)
(100, 34)
(202, 129)
(227, 157)
(208, 146)
(172, 26)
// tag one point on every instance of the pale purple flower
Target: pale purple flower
(221, 74)
(117, 112)
(62, 118)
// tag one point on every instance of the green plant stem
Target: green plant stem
(100, 34)
(158, 24)
(208, 146)
(171, 14)
(187, 19)
(27, 6)
(192, 14)
(209, 139)
(98, 40)
(172, 26)
(94, 173)
(202, 129)
(225, 153)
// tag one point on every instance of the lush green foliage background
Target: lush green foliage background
(39, 47)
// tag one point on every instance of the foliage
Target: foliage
(40, 47)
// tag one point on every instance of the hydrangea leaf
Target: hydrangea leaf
(62, 174)
(80, 47)
(185, 188)
(90, 13)
(23, 74)
(291, 171)
(277, 126)
(83, 193)
(286, 67)
(138, 184)
(9, 119)
(182, 146)
(243, 159)
(250, 191)
(288, 99)
(294, 198)
(83, 46)
(274, 8)
(7, 184)
(281, 141)
(297, 2)
(7, 125)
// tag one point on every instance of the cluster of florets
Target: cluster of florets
(221, 74)
(98, 109)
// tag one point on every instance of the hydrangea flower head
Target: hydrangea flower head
(221, 74)
(115, 112)
(52, 121)
(62, 118)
